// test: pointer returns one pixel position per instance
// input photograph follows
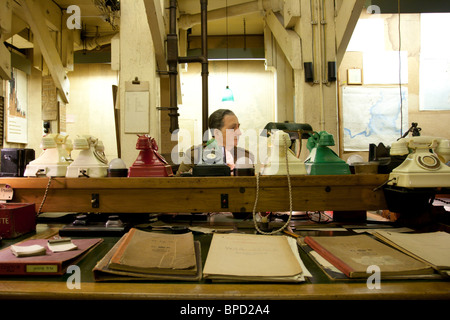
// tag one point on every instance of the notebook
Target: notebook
(354, 254)
(249, 257)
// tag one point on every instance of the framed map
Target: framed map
(373, 115)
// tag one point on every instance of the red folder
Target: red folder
(49, 264)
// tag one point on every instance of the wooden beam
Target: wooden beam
(291, 12)
(36, 20)
(288, 40)
(17, 26)
(67, 41)
(156, 23)
(346, 20)
(269, 48)
(5, 16)
(5, 28)
(5, 62)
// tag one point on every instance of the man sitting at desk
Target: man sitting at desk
(224, 127)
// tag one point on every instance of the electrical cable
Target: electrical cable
(290, 198)
(400, 68)
(45, 196)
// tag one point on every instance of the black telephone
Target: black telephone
(212, 161)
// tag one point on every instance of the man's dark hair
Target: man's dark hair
(216, 119)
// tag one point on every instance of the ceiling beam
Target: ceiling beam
(346, 20)
(156, 23)
(187, 21)
(288, 40)
(5, 28)
(37, 22)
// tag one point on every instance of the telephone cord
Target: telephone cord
(290, 199)
(45, 196)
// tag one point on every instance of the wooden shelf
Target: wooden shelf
(201, 194)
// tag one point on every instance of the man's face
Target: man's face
(230, 132)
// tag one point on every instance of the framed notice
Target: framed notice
(49, 99)
(17, 107)
(137, 105)
(354, 76)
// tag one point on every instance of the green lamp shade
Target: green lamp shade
(228, 95)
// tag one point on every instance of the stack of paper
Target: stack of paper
(142, 255)
(40, 260)
(353, 255)
(256, 258)
(28, 251)
(433, 248)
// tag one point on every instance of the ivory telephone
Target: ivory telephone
(279, 150)
(425, 165)
(54, 159)
(91, 161)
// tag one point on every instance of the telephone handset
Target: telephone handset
(425, 164)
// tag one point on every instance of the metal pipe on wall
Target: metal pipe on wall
(173, 59)
(205, 69)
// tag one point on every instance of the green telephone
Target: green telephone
(322, 160)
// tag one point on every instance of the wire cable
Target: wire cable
(45, 196)
(400, 68)
(290, 198)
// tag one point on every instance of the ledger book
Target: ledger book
(250, 257)
(354, 254)
(153, 253)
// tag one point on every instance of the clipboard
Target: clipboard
(137, 104)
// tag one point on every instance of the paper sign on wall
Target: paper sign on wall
(137, 99)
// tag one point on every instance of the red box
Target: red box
(17, 219)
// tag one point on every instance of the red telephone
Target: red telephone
(149, 162)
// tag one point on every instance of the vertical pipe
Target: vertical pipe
(172, 60)
(204, 35)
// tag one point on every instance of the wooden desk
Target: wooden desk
(193, 194)
(350, 192)
(316, 289)
(194, 291)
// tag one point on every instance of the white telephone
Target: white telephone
(91, 161)
(425, 166)
(55, 158)
(276, 162)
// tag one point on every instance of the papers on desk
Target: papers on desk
(28, 251)
(231, 257)
(47, 262)
(142, 255)
(433, 247)
(255, 258)
(353, 255)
